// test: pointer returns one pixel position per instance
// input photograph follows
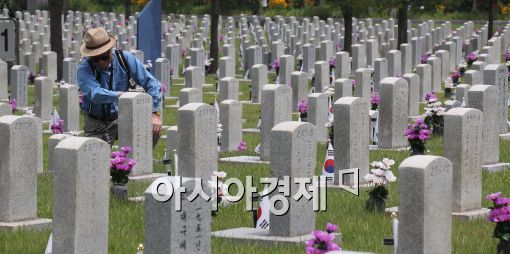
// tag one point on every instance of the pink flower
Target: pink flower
(163, 87)
(330, 228)
(241, 147)
(303, 106)
(493, 196)
(502, 201)
(126, 149)
(375, 99)
(354, 83)
(14, 105)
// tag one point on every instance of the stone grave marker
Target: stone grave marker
(425, 213)
(43, 98)
(135, 129)
(393, 113)
(19, 172)
(351, 136)
(231, 121)
(81, 196)
(198, 140)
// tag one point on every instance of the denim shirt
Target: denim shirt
(96, 94)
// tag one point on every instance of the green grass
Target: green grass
(361, 231)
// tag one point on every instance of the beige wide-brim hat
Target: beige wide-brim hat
(96, 42)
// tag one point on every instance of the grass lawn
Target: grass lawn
(361, 231)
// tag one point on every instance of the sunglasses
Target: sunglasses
(97, 59)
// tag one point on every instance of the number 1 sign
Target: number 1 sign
(7, 40)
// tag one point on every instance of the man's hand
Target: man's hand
(156, 124)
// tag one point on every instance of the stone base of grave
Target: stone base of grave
(496, 167)
(468, 215)
(180, 84)
(244, 80)
(207, 85)
(224, 202)
(146, 177)
(505, 136)
(171, 98)
(244, 159)
(32, 224)
(472, 214)
(391, 210)
(250, 103)
(212, 93)
(376, 147)
(172, 106)
(261, 236)
(251, 130)
(74, 133)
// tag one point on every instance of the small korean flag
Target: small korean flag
(329, 163)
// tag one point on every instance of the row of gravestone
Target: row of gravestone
(289, 144)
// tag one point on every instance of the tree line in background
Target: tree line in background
(347, 9)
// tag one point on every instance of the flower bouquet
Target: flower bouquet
(218, 188)
(380, 175)
(417, 134)
(120, 168)
(456, 77)
(462, 67)
(276, 66)
(449, 85)
(322, 241)
(14, 105)
(241, 147)
(424, 58)
(374, 101)
(58, 127)
(303, 110)
(472, 57)
(500, 214)
(434, 114)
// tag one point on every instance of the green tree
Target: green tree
(56, 9)
(215, 15)
(349, 7)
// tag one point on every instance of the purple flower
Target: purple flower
(330, 228)
(322, 241)
(275, 65)
(493, 196)
(332, 63)
(375, 99)
(502, 201)
(472, 56)
(220, 37)
(431, 97)
(302, 106)
(507, 56)
(322, 236)
(456, 75)
(241, 147)
(126, 149)
(183, 51)
(14, 105)
(418, 131)
(354, 83)
(424, 58)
